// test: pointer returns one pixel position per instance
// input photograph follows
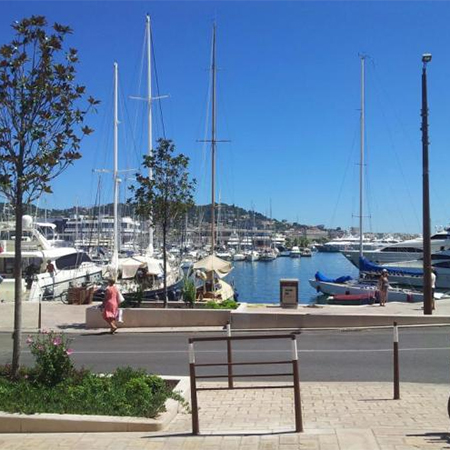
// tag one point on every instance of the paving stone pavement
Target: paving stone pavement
(342, 416)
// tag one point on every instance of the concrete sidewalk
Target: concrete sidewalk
(342, 416)
(71, 318)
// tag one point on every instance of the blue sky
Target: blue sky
(288, 99)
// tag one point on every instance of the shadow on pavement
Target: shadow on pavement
(98, 333)
(434, 438)
(76, 326)
(222, 434)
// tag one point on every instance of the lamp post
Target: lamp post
(427, 301)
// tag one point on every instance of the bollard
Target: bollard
(40, 314)
(194, 404)
(229, 357)
(396, 365)
(297, 400)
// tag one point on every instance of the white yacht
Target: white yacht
(306, 253)
(72, 268)
(267, 255)
(410, 273)
(238, 256)
(252, 256)
(295, 252)
(88, 232)
(349, 243)
(408, 250)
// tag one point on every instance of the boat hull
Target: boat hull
(394, 295)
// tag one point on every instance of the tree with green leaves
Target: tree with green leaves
(166, 195)
(41, 125)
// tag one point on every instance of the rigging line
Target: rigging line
(230, 155)
(127, 129)
(378, 86)
(91, 227)
(205, 146)
(368, 196)
(367, 192)
(350, 157)
(104, 140)
(139, 105)
(158, 92)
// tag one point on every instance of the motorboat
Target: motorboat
(238, 256)
(224, 255)
(411, 249)
(348, 286)
(72, 268)
(267, 255)
(349, 243)
(410, 273)
(252, 256)
(295, 252)
(306, 253)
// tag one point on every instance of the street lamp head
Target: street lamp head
(426, 58)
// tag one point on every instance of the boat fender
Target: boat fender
(409, 298)
(347, 292)
(318, 289)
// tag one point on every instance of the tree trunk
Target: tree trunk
(164, 230)
(17, 335)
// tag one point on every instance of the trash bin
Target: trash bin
(289, 293)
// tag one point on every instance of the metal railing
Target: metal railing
(230, 375)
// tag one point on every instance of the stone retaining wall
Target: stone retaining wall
(149, 318)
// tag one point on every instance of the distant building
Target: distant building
(315, 233)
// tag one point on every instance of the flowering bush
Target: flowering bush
(52, 354)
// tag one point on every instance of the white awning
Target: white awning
(214, 264)
(129, 266)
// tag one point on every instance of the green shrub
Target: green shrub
(55, 386)
(127, 392)
(52, 353)
(226, 304)
(189, 291)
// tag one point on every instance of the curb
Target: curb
(74, 423)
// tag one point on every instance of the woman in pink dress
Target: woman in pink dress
(111, 305)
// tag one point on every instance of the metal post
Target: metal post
(427, 301)
(297, 400)
(396, 365)
(194, 404)
(40, 315)
(229, 358)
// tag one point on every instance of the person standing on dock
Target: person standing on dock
(383, 285)
(51, 270)
(433, 288)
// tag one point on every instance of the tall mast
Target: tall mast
(361, 165)
(115, 259)
(149, 120)
(213, 139)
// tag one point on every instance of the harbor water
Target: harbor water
(259, 282)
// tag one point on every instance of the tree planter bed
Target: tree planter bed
(72, 423)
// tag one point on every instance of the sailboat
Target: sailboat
(211, 270)
(140, 273)
(346, 286)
